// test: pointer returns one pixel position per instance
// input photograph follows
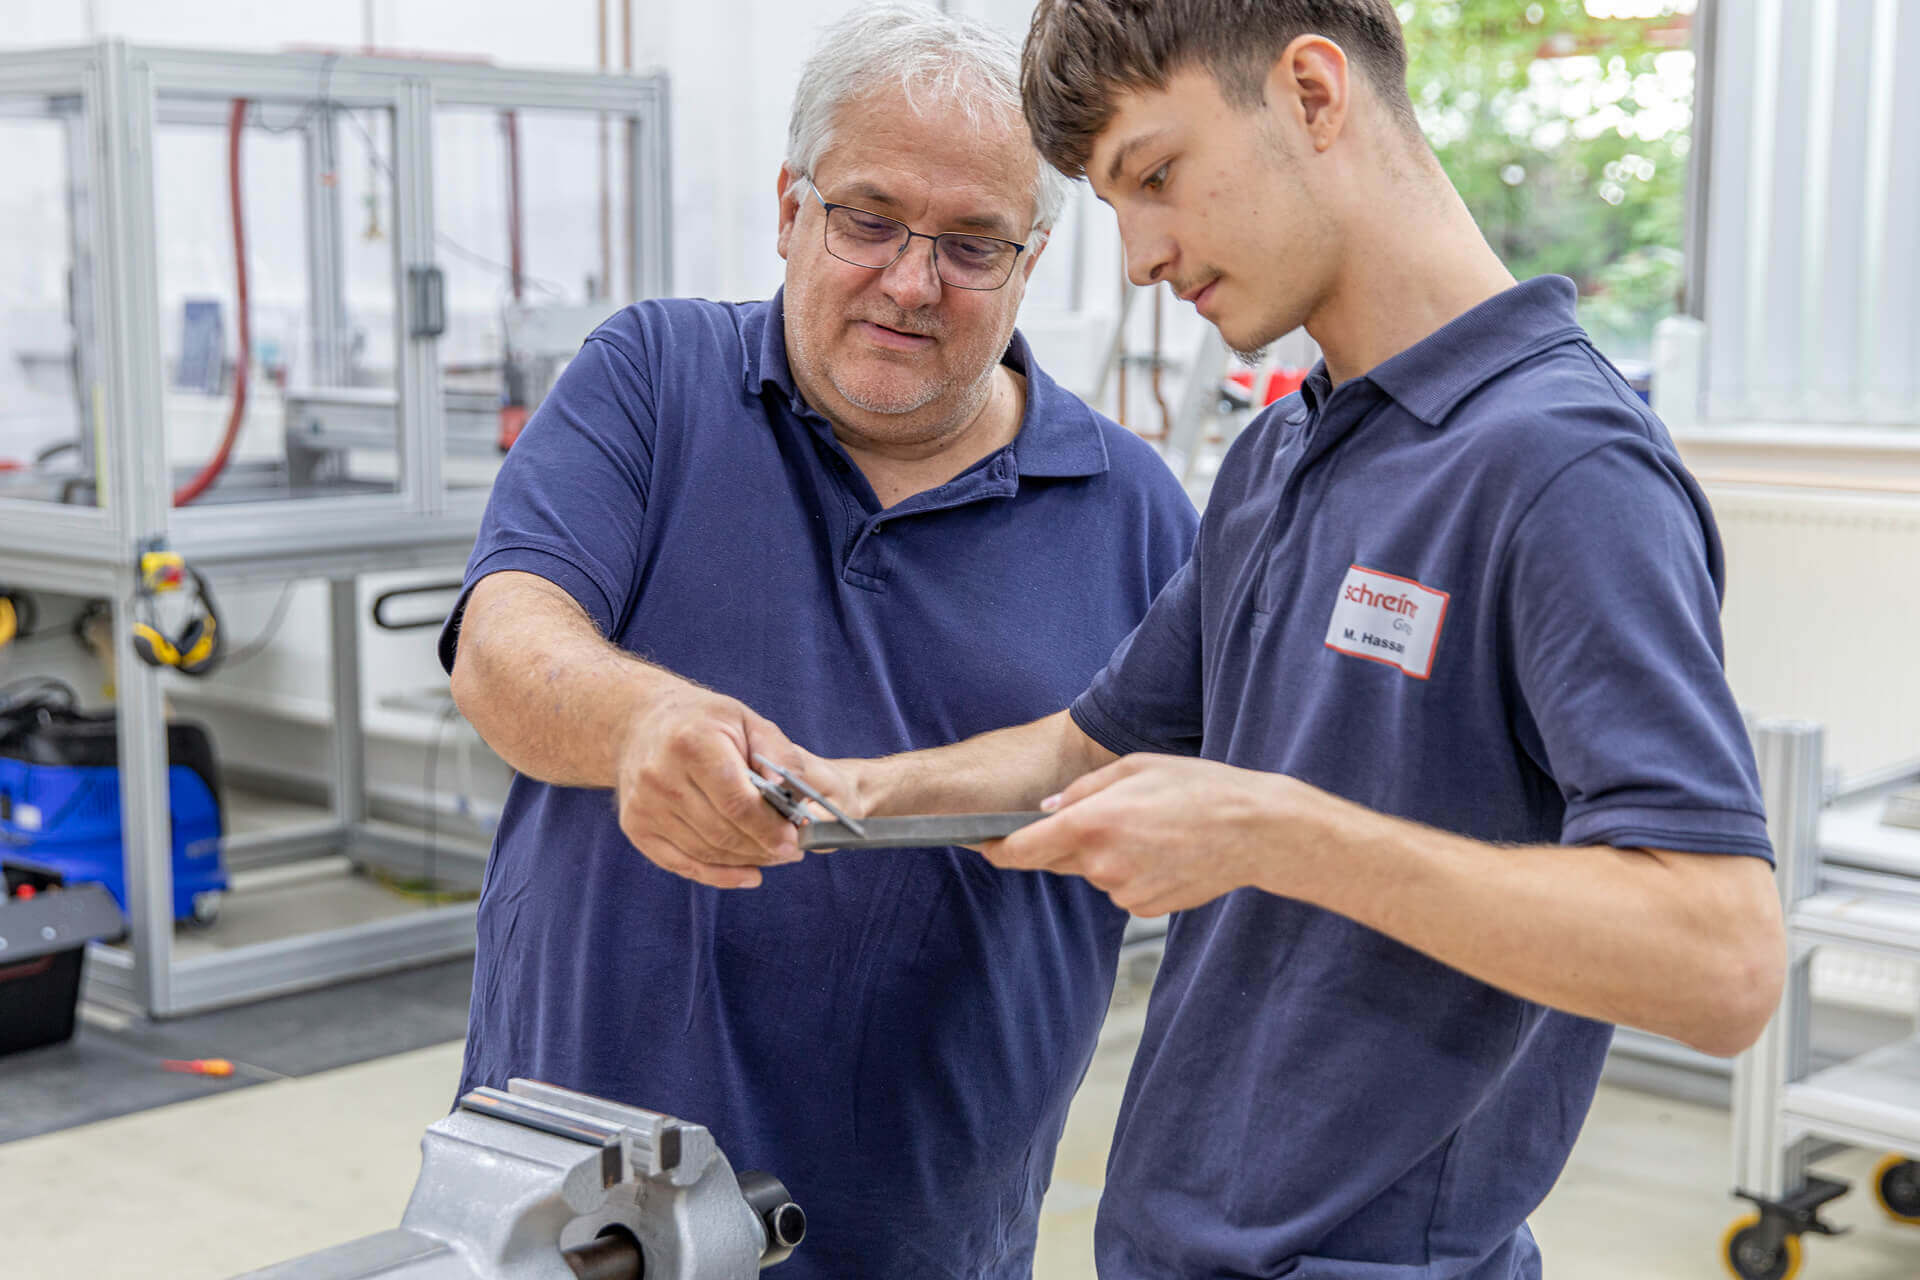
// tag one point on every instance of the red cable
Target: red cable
(218, 462)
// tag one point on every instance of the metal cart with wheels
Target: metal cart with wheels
(1845, 880)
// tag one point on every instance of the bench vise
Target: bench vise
(540, 1183)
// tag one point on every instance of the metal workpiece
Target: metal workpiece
(926, 832)
(540, 1183)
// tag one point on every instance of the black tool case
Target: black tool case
(45, 927)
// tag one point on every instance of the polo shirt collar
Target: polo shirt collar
(764, 342)
(1435, 374)
(1059, 434)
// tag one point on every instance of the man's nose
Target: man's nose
(1149, 254)
(913, 281)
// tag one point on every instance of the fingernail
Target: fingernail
(1051, 803)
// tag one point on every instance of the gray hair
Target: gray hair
(933, 58)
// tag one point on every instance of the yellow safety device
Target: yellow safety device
(197, 647)
(18, 615)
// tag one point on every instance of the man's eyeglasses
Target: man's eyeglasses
(873, 240)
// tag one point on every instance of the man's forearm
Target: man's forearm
(1685, 944)
(1690, 945)
(1003, 771)
(543, 688)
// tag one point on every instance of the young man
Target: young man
(1429, 743)
(862, 509)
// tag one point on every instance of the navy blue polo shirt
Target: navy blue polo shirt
(895, 1034)
(1474, 588)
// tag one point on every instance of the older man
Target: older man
(861, 511)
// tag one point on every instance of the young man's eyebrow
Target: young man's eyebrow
(1127, 149)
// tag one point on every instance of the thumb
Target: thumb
(764, 738)
(1089, 784)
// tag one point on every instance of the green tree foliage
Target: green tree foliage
(1567, 135)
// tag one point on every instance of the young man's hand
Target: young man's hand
(1162, 833)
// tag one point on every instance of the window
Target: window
(1565, 125)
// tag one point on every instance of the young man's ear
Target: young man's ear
(1311, 83)
(789, 197)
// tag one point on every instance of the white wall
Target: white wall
(1819, 615)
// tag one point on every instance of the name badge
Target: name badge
(1384, 618)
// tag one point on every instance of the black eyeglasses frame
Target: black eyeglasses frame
(827, 207)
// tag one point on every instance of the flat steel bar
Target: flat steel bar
(929, 832)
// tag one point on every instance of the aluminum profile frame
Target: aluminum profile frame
(120, 86)
(1706, 29)
(1789, 755)
(55, 547)
(1786, 1114)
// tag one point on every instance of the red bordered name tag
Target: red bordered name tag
(1385, 618)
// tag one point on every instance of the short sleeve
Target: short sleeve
(1611, 603)
(1148, 697)
(571, 498)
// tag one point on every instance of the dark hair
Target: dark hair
(1080, 53)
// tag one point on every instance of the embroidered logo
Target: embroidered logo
(1385, 618)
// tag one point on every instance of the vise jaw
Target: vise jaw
(541, 1183)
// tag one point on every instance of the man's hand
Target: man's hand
(685, 800)
(1160, 833)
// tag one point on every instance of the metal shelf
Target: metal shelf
(1852, 834)
(1872, 1101)
(1888, 925)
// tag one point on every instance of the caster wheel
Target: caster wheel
(206, 909)
(1896, 1185)
(1749, 1257)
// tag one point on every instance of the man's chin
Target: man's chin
(1249, 342)
(887, 395)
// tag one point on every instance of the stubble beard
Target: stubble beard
(910, 402)
(867, 400)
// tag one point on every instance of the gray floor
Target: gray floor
(242, 1177)
(111, 1067)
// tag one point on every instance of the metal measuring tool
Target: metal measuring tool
(790, 796)
(932, 831)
